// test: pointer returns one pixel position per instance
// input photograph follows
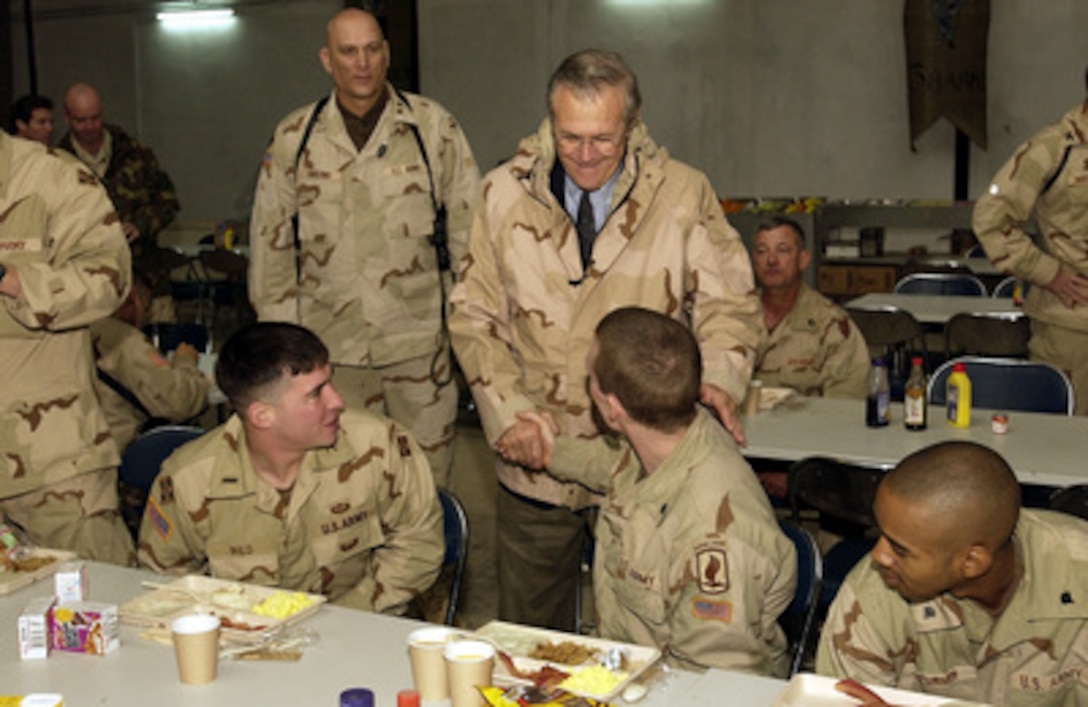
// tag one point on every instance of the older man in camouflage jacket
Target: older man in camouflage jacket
(140, 189)
(63, 264)
(533, 287)
(293, 491)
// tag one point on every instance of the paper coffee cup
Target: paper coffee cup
(428, 666)
(468, 665)
(196, 647)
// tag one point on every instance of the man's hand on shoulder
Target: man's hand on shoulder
(726, 409)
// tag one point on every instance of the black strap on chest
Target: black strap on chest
(439, 237)
(1058, 170)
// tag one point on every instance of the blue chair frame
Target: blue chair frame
(140, 464)
(799, 618)
(455, 528)
(1006, 287)
(940, 283)
(1008, 384)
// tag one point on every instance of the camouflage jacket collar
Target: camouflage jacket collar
(1075, 125)
(643, 166)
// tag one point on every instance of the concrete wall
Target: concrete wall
(769, 97)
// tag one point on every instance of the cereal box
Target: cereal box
(34, 625)
(70, 582)
(85, 627)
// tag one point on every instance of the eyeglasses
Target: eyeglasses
(601, 144)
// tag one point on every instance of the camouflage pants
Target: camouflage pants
(1068, 350)
(78, 514)
(406, 392)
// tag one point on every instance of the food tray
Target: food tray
(12, 581)
(808, 690)
(519, 641)
(229, 600)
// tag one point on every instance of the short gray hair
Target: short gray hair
(587, 71)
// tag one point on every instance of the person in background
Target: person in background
(136, 383)
(1047, 176)
(32, 119)
(590, 215)
(689, 555)
(140, 189)
(361, 199)
(966, 595)
(63, 264)
(293, 490)
(811, 345)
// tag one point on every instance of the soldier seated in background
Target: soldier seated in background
(295, 491)
(136, 383)
(689, 555)
(967, 595)
(811, 344)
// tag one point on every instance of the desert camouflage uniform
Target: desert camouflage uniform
(1034, 654)
(369, 284)
(523, 315)
(362, 524)
(816, 350)
(691, 558)
(57, 459)
(1059, 334)
(174, 391)
(140, 189)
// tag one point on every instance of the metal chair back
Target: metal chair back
(1007, 287)
(1008, 384)
(986, 334)
(1072, 500)
(455, 527)
(799, 618)
(843, 495)
(940, 283)
(140, 465)
(894, 333)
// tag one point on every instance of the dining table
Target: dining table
(936, 310)
(1042, 449)
(351, 649)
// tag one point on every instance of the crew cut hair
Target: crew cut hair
(255, 359)
(652, 364)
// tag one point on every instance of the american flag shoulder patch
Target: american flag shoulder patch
(159, 522)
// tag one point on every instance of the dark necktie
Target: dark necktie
(587, 231)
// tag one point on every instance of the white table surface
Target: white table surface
(356, 649)
(1040, 448)
(937, 309)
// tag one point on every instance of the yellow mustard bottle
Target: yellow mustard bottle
(958, 396)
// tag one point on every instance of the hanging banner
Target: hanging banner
(946, 64)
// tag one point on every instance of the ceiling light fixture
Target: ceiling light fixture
(186, 19)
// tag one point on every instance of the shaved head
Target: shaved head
(964, 487)
(83, 112)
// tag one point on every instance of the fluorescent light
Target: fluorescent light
(182, 19)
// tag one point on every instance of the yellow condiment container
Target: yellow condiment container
(958, 396)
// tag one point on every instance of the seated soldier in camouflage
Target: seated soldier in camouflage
(295, 491)
(689, 555)
(135, 382)
(811, 344)
(967, 595)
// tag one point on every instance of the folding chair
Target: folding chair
(799, 618)
(843, 495)
(1008, 384)
(1007, 287)
(140, 464)
(940, 283)
(987, 335)
(455, 527)
(894, 334)
(1072, 500)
